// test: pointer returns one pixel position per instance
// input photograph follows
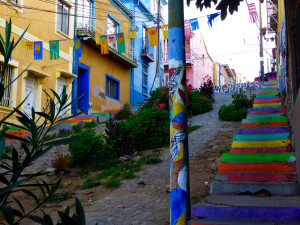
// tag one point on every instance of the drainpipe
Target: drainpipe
(75, 79)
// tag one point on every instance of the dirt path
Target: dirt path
(145, 200)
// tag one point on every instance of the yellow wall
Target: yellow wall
(42, 28)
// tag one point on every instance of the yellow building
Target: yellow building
(102, 80)
(41, 74)
(108, 87)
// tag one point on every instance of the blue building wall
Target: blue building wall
(144, 16)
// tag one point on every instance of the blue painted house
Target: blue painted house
(143, 78)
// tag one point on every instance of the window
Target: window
(145, 79)
(112, 87)
(85, 14)
(145, 39)
(7, 97)
(63, 11)
(113, 27)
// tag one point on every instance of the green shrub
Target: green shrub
(129, 175)
(198, 103)
(64, 133)
(89, 183)
(124, 113)
(49, 137)
(242, 101)
(88, 150)
(150, 128)
(90, 124)
(159, 99)
(112, 182)
(231, 113)
(76, 128)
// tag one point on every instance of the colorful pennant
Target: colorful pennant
(253, 17)
(211, 17)
(132, 34)
(153, 37)
(121, 42)
(54, 49)
(187, 30)
(38, 50)
(194, 24)
(77, 47)
(71, 43)
(111, 38)
(97, 40)
(29, 45)
(104, 45)
(165, 31)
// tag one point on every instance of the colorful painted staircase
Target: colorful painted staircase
(260, 163)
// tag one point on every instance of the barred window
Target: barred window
(145, 79)
(112, 87)
(7, 97)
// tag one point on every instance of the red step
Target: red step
(264, 101)
(260, 150)
(267, 112)
(273, 124)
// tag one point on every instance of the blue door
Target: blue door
(83, 87)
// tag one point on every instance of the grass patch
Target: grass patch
(224, 150)
(112, 182)
(89, 183)
(153, 161)
(129, 175)
(193, 128)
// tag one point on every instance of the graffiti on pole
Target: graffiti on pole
(235, 88)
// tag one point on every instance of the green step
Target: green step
(265, 120)
(273, 115)
(261, 137)
(101, 114)
(259, 157)
(11, 128)
(65, 124)
(270, 81)
(266, 95)
(267, 106)
(267, 90)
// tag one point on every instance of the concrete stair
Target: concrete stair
(260, 163)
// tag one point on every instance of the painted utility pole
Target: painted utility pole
(179, 160)
(261, 45)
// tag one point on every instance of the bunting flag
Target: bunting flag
(71, 43)
(132, 34)
(104, 45)
(77, 47)
(153, 37)
(23, 45)
(97, 39)
(54, 49)
(194, 24)
(187, 30)
(121, 42)
(64, 40)
(211, 17)
(111, 38)
(253, 17)
(157, 28)
(165, 30)
(29, 45)
(38, 50)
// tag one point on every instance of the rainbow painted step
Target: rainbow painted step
(268, 130)
(263, 111)
(265, 120)
(267, 95)
(263, 157)
(258, 167)
(257, 177)
(267, 90)
(271, 115)
(263, 101)
(260, 137)
(260, 150)
(267, 104)
(261, 125)
(261, 144)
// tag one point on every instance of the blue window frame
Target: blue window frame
(112, 87)
(145, 79)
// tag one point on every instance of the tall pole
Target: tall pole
(261, 45)
(179, 160)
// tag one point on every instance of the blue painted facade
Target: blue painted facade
(143, 78)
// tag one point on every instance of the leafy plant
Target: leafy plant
(91, 124)
(207, 89)
(150, 128)
(61, 162)
(49, 137)
(64, 133)
(112, 182)
(89, 183)
(124, 113)
(89, 151)
(198, 103)
(231, 113)
(159, 99)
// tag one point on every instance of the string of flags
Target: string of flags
(37, 47)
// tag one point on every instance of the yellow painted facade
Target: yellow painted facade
(41, 16)
(42, 27)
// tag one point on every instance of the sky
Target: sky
(233, 41)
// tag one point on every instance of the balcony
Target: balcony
(88, 34)
(148, 53)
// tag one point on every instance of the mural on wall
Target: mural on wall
(98, 92)
(234, 88)
(179, 156)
